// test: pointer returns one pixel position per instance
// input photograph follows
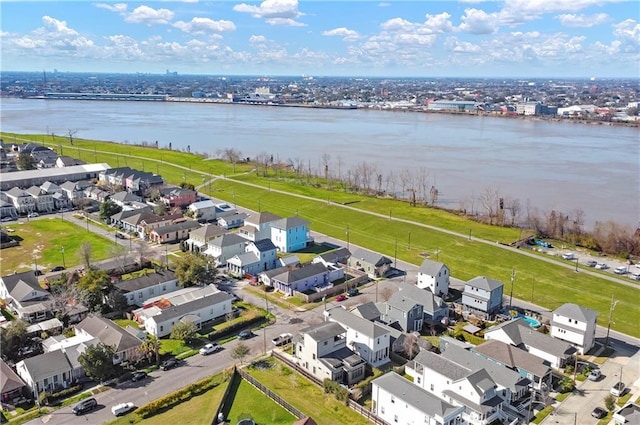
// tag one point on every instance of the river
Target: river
(547, 165)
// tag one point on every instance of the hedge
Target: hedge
(215, 335)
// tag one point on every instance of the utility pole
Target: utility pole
(63, 262)
(409, 245)
(395, 256)
(613, 305)
(347, 237)
(513, 278)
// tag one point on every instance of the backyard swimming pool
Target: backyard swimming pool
(530, 321)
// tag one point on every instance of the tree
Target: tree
(610, 402)
(193, 269)
(26, 162)
(95, 285)
(97, 362)
(184, 331)
(150, 347)
(240, 351)
(160, 209)
(84, 253)
(117, 301)
(109, 208)
(12, 338)
(189, 186)
(410, 345)
(567, 385)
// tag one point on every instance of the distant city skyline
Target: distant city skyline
(470, 38)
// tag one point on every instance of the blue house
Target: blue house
(290, 234)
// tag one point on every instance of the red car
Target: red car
(341, 297)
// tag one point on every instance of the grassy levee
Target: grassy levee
(545, 284)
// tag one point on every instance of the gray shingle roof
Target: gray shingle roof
(176, 227)
(207, 232)
(10, 381)
(21, 284)
(289, 223)
(409, 294)
(323, 331)
(190, 306)
(370, 257)
(227, 239)
(262, 218)
(367, 311)
(512, 357)
(442, 365)
(430, 268)
(145, 281)
(521, 334)
(42, 365)
(338, 255)
(265, 245)
(417, 397)
(297, 274)
(577, 312)
(108, 333)
(484, 283)
(357, 323)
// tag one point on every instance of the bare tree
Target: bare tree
(142, 251)
(422, 183)
(514, 207)
(405, 181)
(386, 292)
(120, 255)
(231, 155)
(326, 159)
(71, 134)
(84, 253)
(433, 195)
(391, 183)
(410, 345)
(489, 201)
(262, 160)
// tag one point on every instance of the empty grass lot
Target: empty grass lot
(248, 402)
(305, 395)
(45, 238)
(545, 284)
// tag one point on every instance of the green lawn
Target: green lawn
(46, 237)
(305, 395)
(248, 402)
(545, 284)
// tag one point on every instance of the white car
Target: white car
(568, 256)
(635, 276)
(122, 408)
(33, 214)
(210, 349)
(602, 266)
(620, 270)
(618, 389)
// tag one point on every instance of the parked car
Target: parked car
(618, 389)
(599, 413)
(595, 375)
(120, 235)
(57, 269)
(138, 375)
(245, 334)
(85, 406)
(602, 266)
(38, 272)
(590, 263)
(122, 408)
(341, 297)
(168, 364)
(352, 292)
(620, 270)
(282, 339)
(210, 349)
(634, 276)
(32, 215)
(568, 256)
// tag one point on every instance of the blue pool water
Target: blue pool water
(530, 321)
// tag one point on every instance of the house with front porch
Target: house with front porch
(576, 325)
(109, 333)
(60, 199)
(43, 200)
(75, 191)
(373, 264)
(290, 234)
(225, 247)
(337, 257)
(434, 276)
(172, 233)
(232, 221)
(258, 227)
(124, 199)
(12, 385)
(139, 289)
(367, 339)
(434, 308)
(555, 352)
(299, 279)
(258, 257)
(7, 209)
(199, 238)
(22, 201)
(482, 295)
(394, 399)
(24, 295)
(203, 211)
(322, 351)
(46, 372)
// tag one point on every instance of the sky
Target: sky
(468, 38)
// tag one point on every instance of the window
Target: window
(395, 418)
(431, 387)
(161, 328)
(314, 356)
(382, 409)
(393, 400)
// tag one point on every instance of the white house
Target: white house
(259, 256)
(23, 202)
(73, 347)
(322, 351)
(434, 276)
(26, 297)
(203, 211)
(139, 289)
(125, 344)
(232, 221)
(482, 295)
(224, 247)
(289, 280)
(199, 238)
(197, 305)
(367, 339)
(395, 399)
(46, 372)
(290, 234)
(576, 325)
(555, 352)
(43, 200)
(258, 227)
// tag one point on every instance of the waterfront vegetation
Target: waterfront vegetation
(349, 217)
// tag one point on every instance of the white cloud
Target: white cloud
(275, 12)
(519, 11)
(205, 25)
(257, 39)
(458, 46)
(53, 25)
(148, 15)
(345, 33)
(476, 21)
(384, 4)
(397, 24)
(117, 7)
(628, 31)
(582, 21)
(438, 23)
